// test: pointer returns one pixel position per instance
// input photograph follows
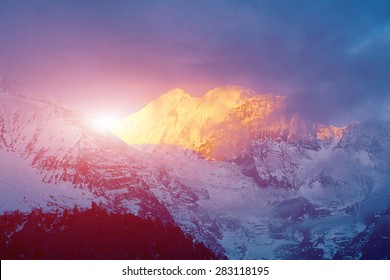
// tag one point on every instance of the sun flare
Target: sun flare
(105, 124)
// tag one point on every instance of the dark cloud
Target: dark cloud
(332, 58)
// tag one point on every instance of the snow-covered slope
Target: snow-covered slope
(22, 188)
(338, 197)
(52, 157)
(229, 168)
(283, 187)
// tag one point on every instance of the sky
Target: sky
(331, 58)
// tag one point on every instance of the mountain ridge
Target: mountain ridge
(321, 196)
(229, 115)
(70, 163)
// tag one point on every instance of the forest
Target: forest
(93, 234)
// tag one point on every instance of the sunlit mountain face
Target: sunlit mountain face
(231, 174)
(222, 124)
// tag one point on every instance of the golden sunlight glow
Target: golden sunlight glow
(217, 124)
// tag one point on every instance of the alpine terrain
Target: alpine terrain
(230, 175)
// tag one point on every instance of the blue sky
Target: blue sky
(332, 58)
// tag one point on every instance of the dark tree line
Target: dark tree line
(93, 234)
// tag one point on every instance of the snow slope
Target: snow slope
(289, 190)
(285, 188)
(57, 159)
(336, 198)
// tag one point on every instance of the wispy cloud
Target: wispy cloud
(331, 57)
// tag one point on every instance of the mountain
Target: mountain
(277, 185)
(231, 169)
(232, 124)
(53, 158)
(220, 125)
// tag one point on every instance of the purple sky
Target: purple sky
(332, 58)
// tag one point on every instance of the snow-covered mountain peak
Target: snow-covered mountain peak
(10, 87)
(70, 163)
(7, 82)
(230, 93)
(266, 186)
(176, 93)
(221, 124)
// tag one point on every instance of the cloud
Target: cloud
(332, 58)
